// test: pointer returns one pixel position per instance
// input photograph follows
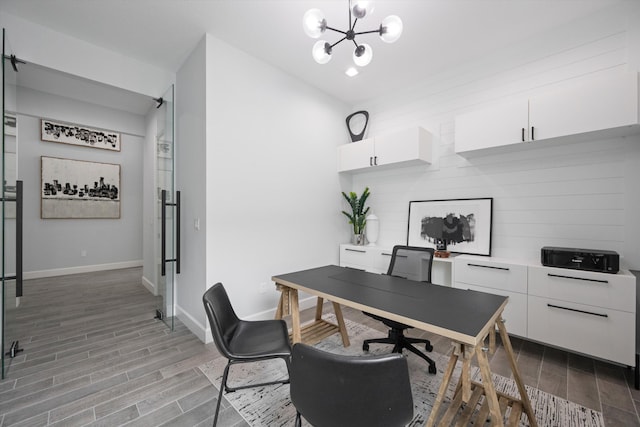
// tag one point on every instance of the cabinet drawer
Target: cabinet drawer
(599, 332)
(614, 291)
(355, 257)
(492, 274)
(381, 260)
(515, 313)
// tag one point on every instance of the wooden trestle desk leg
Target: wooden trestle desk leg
(317, 330)
(526, 403)
(295, 317)
(342, 327)
(489, 389)
(446, 379)
(465, 393)
(288, 305)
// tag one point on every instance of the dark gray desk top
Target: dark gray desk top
(459, 314)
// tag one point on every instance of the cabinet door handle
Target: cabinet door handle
(370, 161)
(375, 160)
(578, 311)
(533, 138)
(522, 134)
(488, 266)
(355, 250)
(577, 278)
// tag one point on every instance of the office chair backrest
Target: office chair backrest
(222, 318)
(411, 262)
(335, 390)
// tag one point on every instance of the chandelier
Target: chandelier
(315, 24)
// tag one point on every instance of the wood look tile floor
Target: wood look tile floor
(94, 355)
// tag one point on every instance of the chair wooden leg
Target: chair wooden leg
(222, 386)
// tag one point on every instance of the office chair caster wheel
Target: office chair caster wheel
(365, 347)
(428, 347)
(432, 369)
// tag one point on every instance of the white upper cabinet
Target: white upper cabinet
(580, 106)
(403, 148)
(585, 105)
(499, 125)
(357, 155)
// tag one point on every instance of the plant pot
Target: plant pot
(358, 239)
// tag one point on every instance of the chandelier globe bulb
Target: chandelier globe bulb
(314, 23)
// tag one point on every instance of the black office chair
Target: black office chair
(242, 341)
(414, 263)
(331, 390)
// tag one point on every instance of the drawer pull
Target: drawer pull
(355, 250)
(579, 311)
(488, 266)
(385, 254)
(577, 278)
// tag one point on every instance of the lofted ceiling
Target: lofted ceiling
(438, 34)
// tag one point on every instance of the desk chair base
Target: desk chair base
(400, 341)
(226, 388)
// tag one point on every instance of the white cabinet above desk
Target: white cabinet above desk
(408, 147)
(592, 105)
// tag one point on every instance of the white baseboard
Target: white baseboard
(204, 333)
(150, 286)
(82, 269)
(270, 314)
(198, 329)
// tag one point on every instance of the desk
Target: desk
(466, 317)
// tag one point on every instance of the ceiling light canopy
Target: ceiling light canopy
(315, 24)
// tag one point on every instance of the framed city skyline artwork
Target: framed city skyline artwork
(79, 189)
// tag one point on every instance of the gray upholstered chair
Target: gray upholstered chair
(413, 263)
(242, 341)
(331, 390)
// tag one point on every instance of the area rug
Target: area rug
(271, 406)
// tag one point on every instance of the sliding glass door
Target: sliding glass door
(11, 228)
(168, 202)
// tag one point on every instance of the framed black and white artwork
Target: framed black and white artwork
(79, 189)
(79, 135)
(462, 225)
(10, 124)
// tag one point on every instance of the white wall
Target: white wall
(579, 195)
(54, 246)
(191, 169)
(267, 187)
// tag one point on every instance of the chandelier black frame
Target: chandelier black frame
(315, 25)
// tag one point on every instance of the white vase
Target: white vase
(372, 229)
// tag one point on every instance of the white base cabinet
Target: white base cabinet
(498, 277)
(582, 311)
(587, 312)
(604, 333)
(376, 259)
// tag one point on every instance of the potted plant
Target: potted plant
(358, 215)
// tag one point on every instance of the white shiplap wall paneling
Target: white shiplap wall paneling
(579, 194)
